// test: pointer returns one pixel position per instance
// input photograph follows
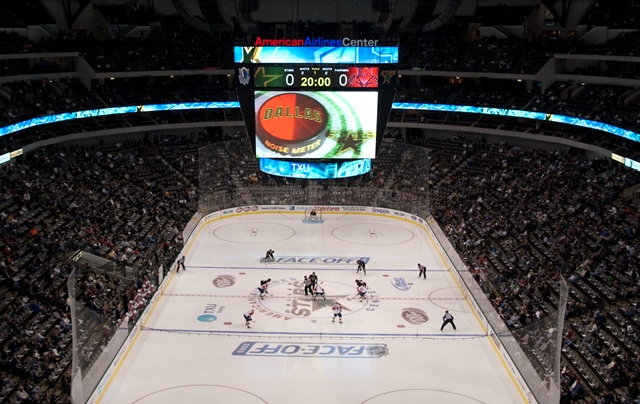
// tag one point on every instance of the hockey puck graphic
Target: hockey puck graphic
(292, 124)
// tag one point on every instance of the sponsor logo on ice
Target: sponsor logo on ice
(224, 281)
(414, 315)
(400, 284)
(319, 260)
(311, 350)
(207, 316)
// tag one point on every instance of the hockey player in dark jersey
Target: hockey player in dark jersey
(269, 255)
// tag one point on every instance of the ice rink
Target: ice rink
(196, 348)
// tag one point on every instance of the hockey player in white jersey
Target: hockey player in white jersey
(337, 312)
(362, 292)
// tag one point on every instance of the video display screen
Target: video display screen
(316, 54)
(316, 76)
(315, 170)
(316, 124)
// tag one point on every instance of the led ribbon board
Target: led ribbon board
(330, 55)
(568, 120)
(311, 170)
(92, 113)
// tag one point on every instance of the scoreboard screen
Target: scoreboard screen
(317, 77)
(316, 124)
(316, 98)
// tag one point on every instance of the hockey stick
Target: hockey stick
(354, 296)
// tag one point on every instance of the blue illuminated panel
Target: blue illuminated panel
(316, 55)
(91, 113)
(569, 120)
(337, 169)
(632, 164)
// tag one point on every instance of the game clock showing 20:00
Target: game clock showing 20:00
(317, 77)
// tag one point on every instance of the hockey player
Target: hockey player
(313, 278)
(247, 318)
(264, 284)
(337, 312)
(362, 292)
(319, 291)
(361, 266)
(269, 256)
(423, 271)
(359, 283)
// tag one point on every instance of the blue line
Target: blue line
(317, 269)
(311, 333)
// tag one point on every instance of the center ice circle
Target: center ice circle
(301, 306)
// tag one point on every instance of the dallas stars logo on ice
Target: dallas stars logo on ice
(296, 304)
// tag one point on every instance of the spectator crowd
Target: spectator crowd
(517, 216)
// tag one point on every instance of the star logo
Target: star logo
(387, 75)
(349, 143)
(287, 300)
(319, 303)
(267, 79)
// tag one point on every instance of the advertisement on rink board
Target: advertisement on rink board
(318, 208)
(325, 209)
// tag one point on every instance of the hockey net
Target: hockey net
(308, 217)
